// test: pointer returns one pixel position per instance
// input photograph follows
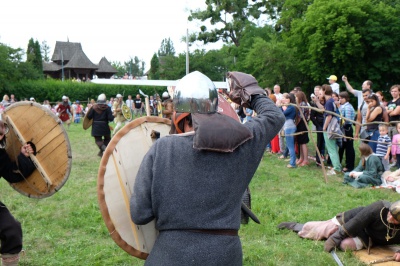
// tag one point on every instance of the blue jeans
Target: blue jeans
(374, 137)
(290, 144)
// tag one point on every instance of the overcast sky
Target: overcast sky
(117, 29)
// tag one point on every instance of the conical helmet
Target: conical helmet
(395, 210)
(195, 93)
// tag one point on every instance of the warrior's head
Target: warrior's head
(64, 100)
(194, 93)
(119, 98)
(101, 99)
(394, 213)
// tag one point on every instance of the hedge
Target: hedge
(53, 90)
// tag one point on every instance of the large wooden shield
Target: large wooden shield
(86, 121)
(116, 177)
(29, 121)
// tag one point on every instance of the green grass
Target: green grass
(67, 228)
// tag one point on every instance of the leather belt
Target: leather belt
(225, 232)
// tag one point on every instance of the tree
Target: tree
(34, 56)
(166, 48)
(273, 62)
(154, 72)
(229, 18)
(45, 50)
(134, 66)
(356, 38)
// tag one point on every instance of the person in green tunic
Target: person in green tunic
(368, 172)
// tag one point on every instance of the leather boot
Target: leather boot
(103, 147)
(296, 227)
(335, 239)
(9, 259)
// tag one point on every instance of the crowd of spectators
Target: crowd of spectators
(338, 126)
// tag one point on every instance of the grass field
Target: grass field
(67, 228)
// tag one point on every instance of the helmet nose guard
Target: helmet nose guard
(196, 93)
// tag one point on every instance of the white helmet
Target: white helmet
(101, 98)
(64, 97)
(118, 96)
(196, 93)
(165, 94)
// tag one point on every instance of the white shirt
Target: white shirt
(129, 103)
(335, 88)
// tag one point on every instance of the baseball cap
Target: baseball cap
(332, 77)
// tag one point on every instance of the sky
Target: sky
(116, 29)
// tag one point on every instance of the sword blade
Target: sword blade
(336, 258)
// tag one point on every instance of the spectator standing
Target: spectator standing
(289, 127)
(348, 112)
(6, 101)
(301, 127)
(334, 85)
(277, 92)
(317, 117)
(393, 108)
(396, 145)
(381, 98)
(78, 112)
(374, 114)
(330, 140)
(129, 102)
(367, 85)
(138, 106)
(362, 113)
(13, 99)
(384, 146)
(249, 114)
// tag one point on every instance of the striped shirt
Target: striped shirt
(384, 142)
(347, 111)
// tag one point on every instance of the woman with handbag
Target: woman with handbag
(374, 114)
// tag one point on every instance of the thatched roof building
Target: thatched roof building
(68, 57)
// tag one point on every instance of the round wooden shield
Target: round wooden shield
(86, 121)
(116, 177)
(29, 121)
(126, 112)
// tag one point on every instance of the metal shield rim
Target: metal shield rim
(69, 152)
(100, 183)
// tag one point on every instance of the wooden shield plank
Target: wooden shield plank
(29, 121)
(118, 168)
(378, 254)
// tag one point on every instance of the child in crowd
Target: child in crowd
(396, 146)
(384, 146)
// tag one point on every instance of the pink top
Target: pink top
(396, 144)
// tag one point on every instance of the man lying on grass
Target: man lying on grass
(360, 228)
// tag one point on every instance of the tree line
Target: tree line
(291, 43)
